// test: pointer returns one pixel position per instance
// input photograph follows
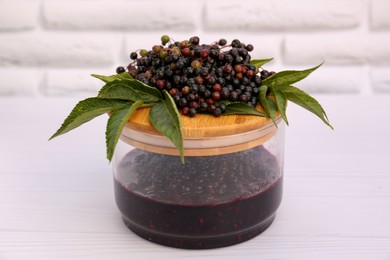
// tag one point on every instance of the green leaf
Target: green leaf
(130, 89)
(288, 77)
(281, 103)
(304, 100)
(259, 63)
(239, 108)
(85, 111)
(165, 117)
(110, 78)
(268, 105)
(115, 124)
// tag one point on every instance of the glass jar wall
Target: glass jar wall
(226, 192)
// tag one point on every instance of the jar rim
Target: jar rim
(201, 145)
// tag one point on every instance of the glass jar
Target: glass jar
(226, 192)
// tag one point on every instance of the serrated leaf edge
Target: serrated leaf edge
(75, 114)
(177, 120)
(275, 79)
(110, 145)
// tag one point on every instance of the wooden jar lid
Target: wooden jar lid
(204, 135)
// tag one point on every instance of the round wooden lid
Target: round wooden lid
(204, 135)
(202, 125)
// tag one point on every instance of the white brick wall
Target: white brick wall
(49, 47)
(277, 15)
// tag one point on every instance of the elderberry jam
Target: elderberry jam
(208, 202)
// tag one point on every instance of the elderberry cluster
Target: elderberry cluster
(199, 77)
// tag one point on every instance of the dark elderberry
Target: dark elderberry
(211, 80)
(204, 71)
(243, 52)
(217, 112)
(191, 112)
(153, 81)
(243, 98)
(233, 52)
(221, 81)
(202, 88)
(169, 73)
(264, 74)
(258, 80)
(180, 64)
(213, 53)
(197, 75)
(233, 96)
(133, 55)
(248, 89)
(236, 82)
(194, 104)
(238, 59)
(194, 88)
(228, 77)
(225, 93)
(249, 47)
(183, 102)
(190, 81)
(160, 83)
(145, 81)
(222, 42)
(254, 101)
(120, 70)
(223, 107)
(211, 108)
(245, 80)
(221, 56)
(219, 72)
(175, 57)
(207, 93)
(203, 106)
(183, 79)
(228, 58)
(176, 99)
(248, 94)
(236, 43)
(194, 40)
(191, 97)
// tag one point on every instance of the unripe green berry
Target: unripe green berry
(143, 53)
(165, 39)
(175, 50)
(196, 64)
(163, 54)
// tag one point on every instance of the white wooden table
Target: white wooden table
(56, 198)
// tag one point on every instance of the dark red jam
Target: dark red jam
(209, 202)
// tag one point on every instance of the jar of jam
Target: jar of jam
(227, 191)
